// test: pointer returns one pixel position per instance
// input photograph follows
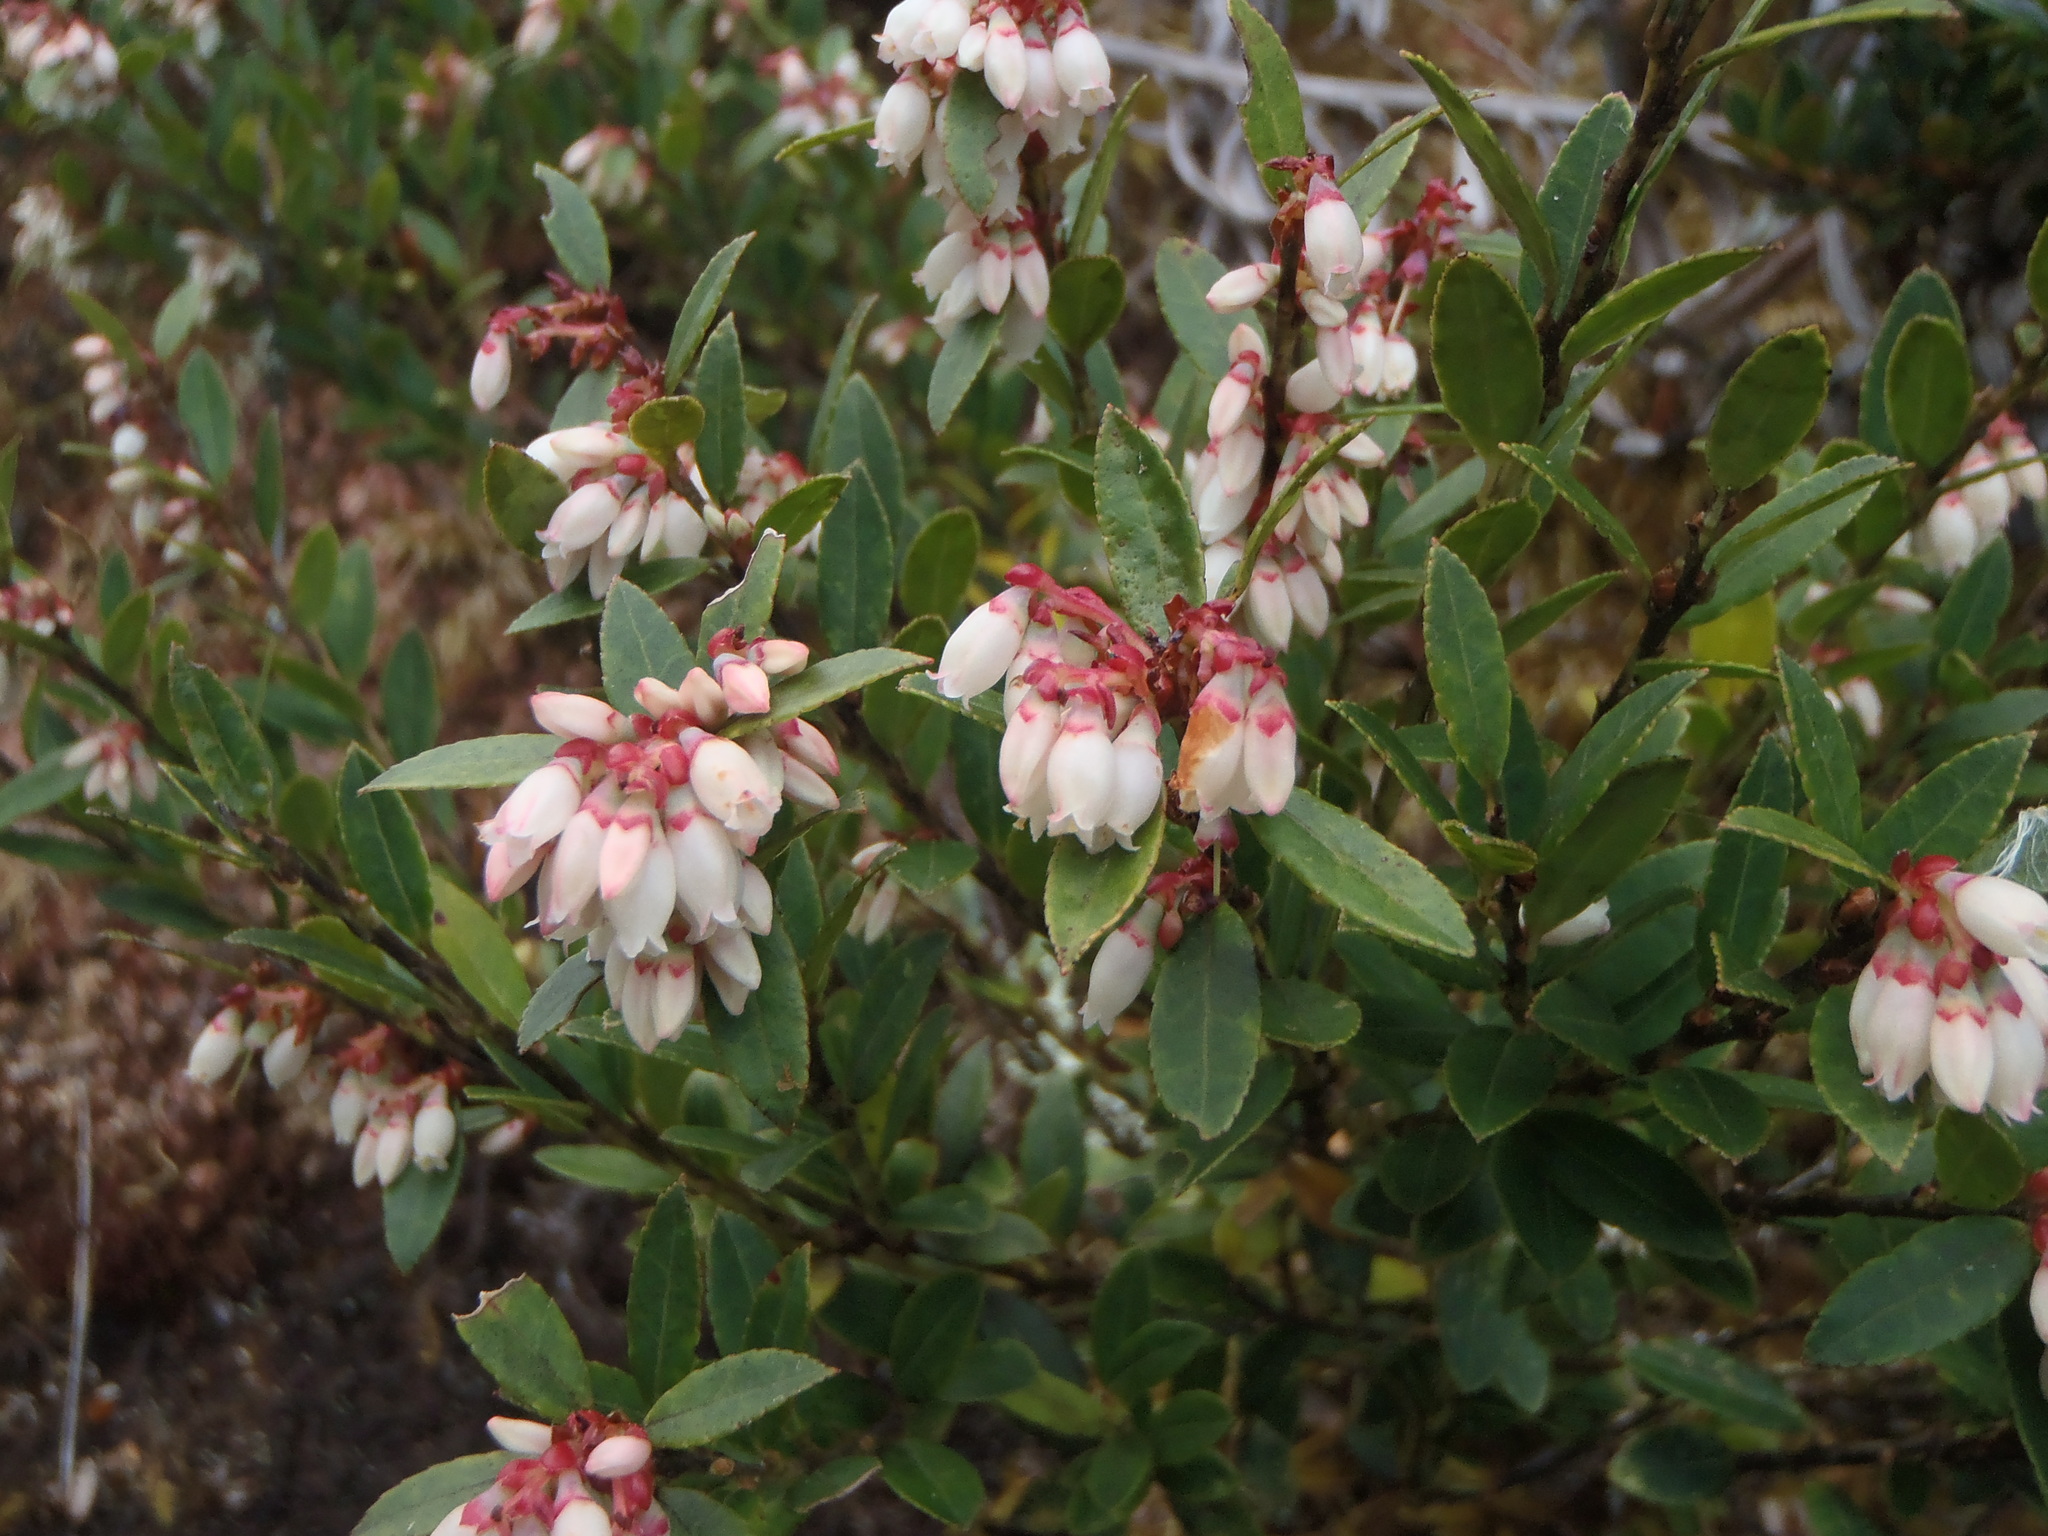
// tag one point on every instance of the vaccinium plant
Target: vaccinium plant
(1443, 1095)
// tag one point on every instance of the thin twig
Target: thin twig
(81, 1300)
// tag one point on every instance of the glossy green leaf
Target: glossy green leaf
(960, 363)
(208, 412)
(1558, 475)
(1976, 1161)
(1271, 109)
(1760, 821)
(1182, 274)
(225, 748)
(2037, 272)
(1086, 895)
(721, 389)
(1468, 665)
(1155, 551)
(1377, 885)
(1610, 746)
(38, 788)
(520, 1336)
(1493, 1077)
(1946, 1279)
(856, 565)
(556, 998)
(1746, 872)
(933, 1333)
(636, 640)
(416, 1207)
(522, 494)
(1820, 746)
(422, 1501)
(312, 584)
(1718, 1381)
(1768, 408)
(1422, 1168)
(1489, 539)
(940, 563)
(930, 1477)
(1570, 195)
(1623, 823)
(750, 603)
(728, 1394)
(1307, 1014)
(700, 309)
(575, 231)
(1205, 1022)
(1489, 368)
(1955, 808)
(1672, 1464)
(479, 763)
(1649, 299)
(469, 937)
(1927, 389)
(384, 849)
(1923, 293)
(1087, 298)
(835, 677)
(1621, 1179)
(1713, 1106)
(972, 121)
(1554, 1230)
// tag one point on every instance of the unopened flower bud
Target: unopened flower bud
(1592, 923)
(217, 1049)
(286, 1056)
(1242, 287)
(1332, 242)
(433, 1133)
(522, 1437)
(980, 651)
(617, 1456)
(578, 717)
(1121, 966)
(2003, 915)
(491, 374)
(582, 1517)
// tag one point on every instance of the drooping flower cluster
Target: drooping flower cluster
(33, 605)
(119, 768)
(1047, 71)
(450, 82)
(69, 65)
(641, 828)
(613, 165)
(1955, 988)
(1996, 474)
(46, 238)
(815, 101)
(1085, 695)
(765, 478)
(587, 1476)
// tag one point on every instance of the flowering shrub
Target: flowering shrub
(1498, 1061)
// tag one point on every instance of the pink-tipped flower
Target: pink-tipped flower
(617, 1456)
(537, 810)
(1267, 605)
(744, 684)
(1899, 1018)
(1028, 274)
(2002, 915)
(902, 124)
(1309, 388)
(1079, 63)
(1397, 370)
(363, 1166)
(286, 1055)
(1990, 498)
(1959, 1042)
(348, 1107)
(1080, 771)
(217, 1049)
(1121, 966)
(1041, 79)
(2019, 1057)
(2037, 1301)
(707, 869)
(570, 879)
(1947, 540)
(1232, 396)
(1242, 287)
(781, 658)
(578, 717)
(1026, 750)
(992, 271)
(581, 1517)
(394, 1147)
(808, 745)
(585, 515)
(1003, 61)
(730, 785)
(980, 651)
(1139, 776)
(433, 1131)
(491, 374)
(1332, 243)
(627, 840)
(1212, 751)
(522, 1437)
(1269, 748)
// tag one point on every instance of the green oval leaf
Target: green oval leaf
(1205, 1022)
(1362, 875)
(1488, 365)
(1927, 388)
(1468, 665)
(1944, 1280)
(575, 231)
(730, 1394)
(1768, 408)
(1155, 550)
(1493, 1077)
(520, 1336)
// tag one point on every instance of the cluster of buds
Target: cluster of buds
(214, 265)
(1998, 472)
(620, 506)
(201, 18)
(33, 605)
(106, 378)
(118, 768)
(46, 238)
(71, 67)
(450, 83)
(1305, 550)
(1048, 72)
(765, 478)
(816, 101)
(1084, 697)
(1956, 988)
(1124, 961)
(273, 1024)
(876, 909)
(613, 165)
(587, 1476)
(392, 1116)
(641, 829)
